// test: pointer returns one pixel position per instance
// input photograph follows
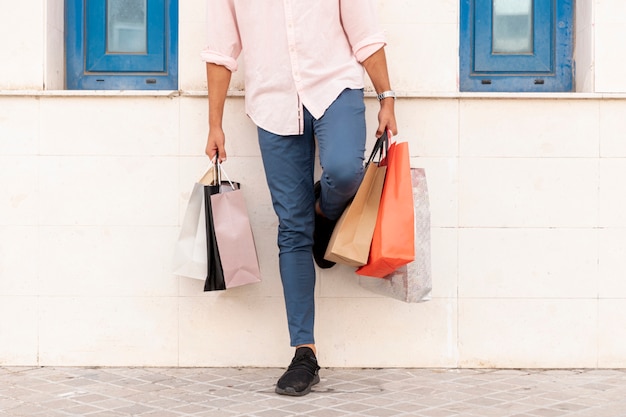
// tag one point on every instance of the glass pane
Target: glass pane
(512, 26)
(126, 26)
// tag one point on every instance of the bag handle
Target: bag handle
(380, 147)
(219, 170)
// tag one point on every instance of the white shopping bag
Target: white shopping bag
(190, 255)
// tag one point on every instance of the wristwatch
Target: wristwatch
(386, 94)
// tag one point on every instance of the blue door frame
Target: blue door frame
(89, 66)
(548, 68)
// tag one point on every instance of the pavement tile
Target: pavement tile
(249, 392)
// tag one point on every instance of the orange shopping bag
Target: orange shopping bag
(393, 243)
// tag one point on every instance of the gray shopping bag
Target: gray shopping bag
(411, 283)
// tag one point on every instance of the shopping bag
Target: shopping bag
(234, 239)
(232, 256)
(190, 254)
(352, 237)
(216, 242)
(214, 278)
(393, 239)
(411, 283)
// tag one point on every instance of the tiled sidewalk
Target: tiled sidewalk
(228, 392)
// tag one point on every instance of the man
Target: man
(304, 63)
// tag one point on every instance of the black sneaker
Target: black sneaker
(301, 375)
(322, 234)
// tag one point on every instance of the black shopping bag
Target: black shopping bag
(215, 273)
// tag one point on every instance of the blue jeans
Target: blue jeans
(289, 164)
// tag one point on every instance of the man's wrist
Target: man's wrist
(386, 94)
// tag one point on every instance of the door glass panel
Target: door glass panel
(126, 26)
(512, 26)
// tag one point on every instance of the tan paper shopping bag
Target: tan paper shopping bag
(352, 237)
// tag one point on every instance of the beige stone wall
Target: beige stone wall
(526, 193)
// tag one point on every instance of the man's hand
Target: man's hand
(387, 117)
(215, 144)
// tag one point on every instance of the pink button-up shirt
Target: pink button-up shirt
(295, 52)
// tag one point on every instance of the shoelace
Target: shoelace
(304, 362)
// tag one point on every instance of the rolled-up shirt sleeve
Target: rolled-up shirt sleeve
(360, 22)
(223, 40)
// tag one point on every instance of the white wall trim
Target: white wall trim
(238, 93)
